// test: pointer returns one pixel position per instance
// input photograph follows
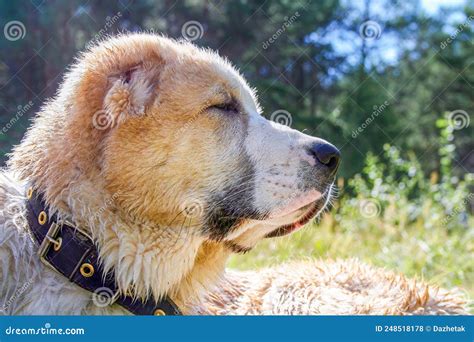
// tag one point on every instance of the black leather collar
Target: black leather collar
(71, 252)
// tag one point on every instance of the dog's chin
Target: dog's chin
(301, 216)
(280, 225)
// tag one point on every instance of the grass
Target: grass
(434, 254)
(391, 215)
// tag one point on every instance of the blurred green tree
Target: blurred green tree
(310, 58)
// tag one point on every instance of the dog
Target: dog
(153, 155)
(328, 287)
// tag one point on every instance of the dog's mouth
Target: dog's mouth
(306, 213)
(283, 221)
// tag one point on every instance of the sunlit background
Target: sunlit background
(391, 83)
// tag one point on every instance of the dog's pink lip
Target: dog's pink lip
(296, 204)
(310, 211)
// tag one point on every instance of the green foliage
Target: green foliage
(319, 68)
(392, 181)
(392, 216)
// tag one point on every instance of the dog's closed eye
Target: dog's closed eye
(228, 107)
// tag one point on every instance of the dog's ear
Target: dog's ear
(130, 92)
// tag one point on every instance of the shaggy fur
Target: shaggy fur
(154, 147)
(325, 287)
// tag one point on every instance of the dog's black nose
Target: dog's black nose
(326, 154)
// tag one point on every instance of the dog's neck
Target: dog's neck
(146, 258)
(153, 259)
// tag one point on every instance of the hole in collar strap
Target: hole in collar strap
(42, 218)
(87, 270)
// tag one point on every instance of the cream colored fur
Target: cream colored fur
(112, 182)
(327, 287)
(298, 288)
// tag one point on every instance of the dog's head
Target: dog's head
(188, 146)
(160, 149)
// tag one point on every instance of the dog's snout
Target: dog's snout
(326, 154)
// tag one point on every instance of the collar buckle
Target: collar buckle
(52, 238)
(80, 240)
(49, 240)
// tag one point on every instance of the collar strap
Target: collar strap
(72, 252)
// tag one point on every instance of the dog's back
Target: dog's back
(342, 287)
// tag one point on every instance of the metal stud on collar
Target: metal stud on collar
(42, 218)
(159, 312)
(59, 231)
(87, 270)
